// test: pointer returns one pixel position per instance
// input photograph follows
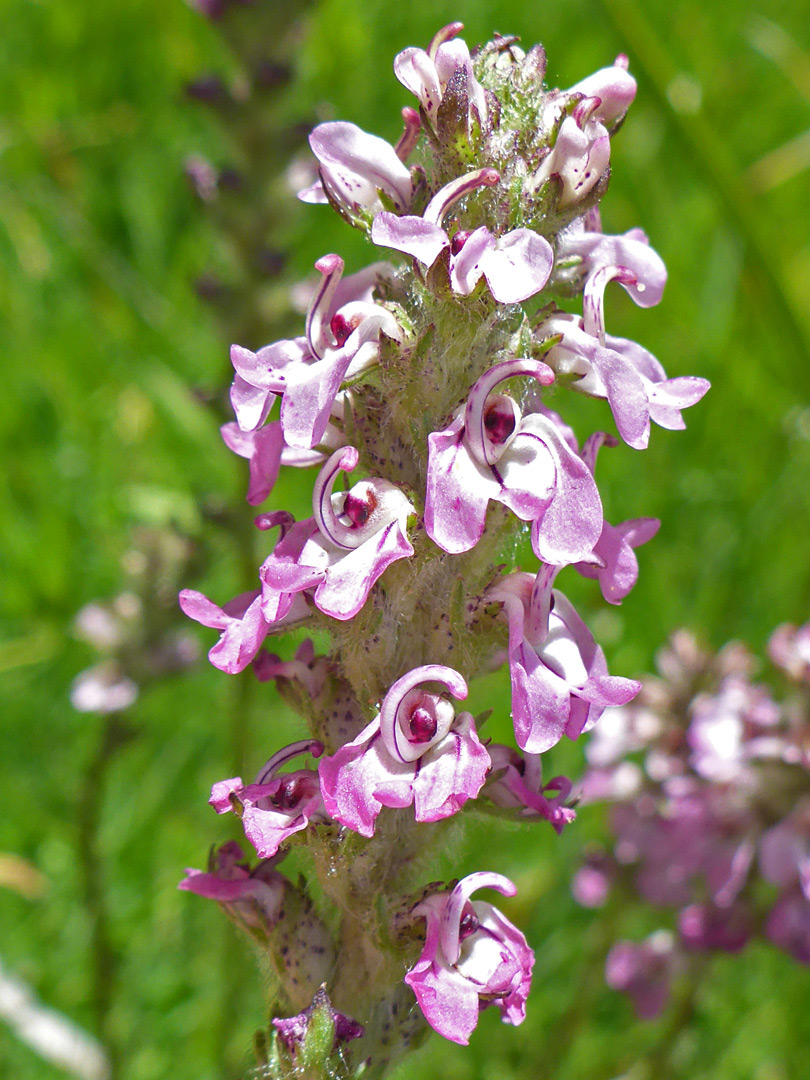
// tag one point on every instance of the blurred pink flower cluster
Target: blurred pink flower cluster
(708, 776)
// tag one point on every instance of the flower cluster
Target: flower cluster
(709, 779)
(429, 378)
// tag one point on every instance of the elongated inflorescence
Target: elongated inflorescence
(422, 383)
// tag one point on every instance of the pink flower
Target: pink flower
(617, 566)
(274, 807)
(644, 970)
(242, 622)
(254, 897)
(697, 839)
(580, 155)
(516, 265)
(473, 957)
(354, 168)
(103, 688)
(731, 728)
(789, 648)
(516, 783)
(560, 681)
(343, 331)
(632, 380)
(338, 554)
(417, 750)
(597, 253)
(491, 451)
(427, 74)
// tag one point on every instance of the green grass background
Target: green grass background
(103, 342)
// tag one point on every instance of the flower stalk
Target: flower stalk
(429, 380)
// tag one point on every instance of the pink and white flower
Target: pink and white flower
(560, 681)
(354, 168)
(491, 451)
(275, 806)
(342, 340)
(596, 252)
(516, 265)
(337, 555)
(427, 74)
(789, 648)
(473, 957)
(580, 155)
(416, 750)
(634, 383)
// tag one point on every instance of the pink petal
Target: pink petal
(466, 268)
(449, 1002)
(527, 473)
(450, 773)
(241, 640)
(356, 163)
(203, 610)
(348, 581)
(267, 829)
(614, 86)
(311, 391)
(413, 235)
(251, 404)
(263, 449)
(353, 779)
(458, 490)
(540, 701)
(417, 73)
(571, 525)
(518, 266)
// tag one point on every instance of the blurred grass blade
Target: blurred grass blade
(707, 149)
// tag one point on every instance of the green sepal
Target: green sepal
(319, 1041)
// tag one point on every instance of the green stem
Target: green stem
(659, 1061)
(590, 982)
(104, 960)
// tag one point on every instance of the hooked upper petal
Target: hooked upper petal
(614, 86)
